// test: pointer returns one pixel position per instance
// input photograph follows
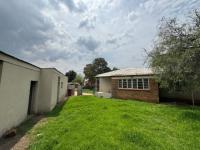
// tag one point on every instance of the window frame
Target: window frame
(135, 88)
(148, 84)
(125, 84)
(128, 84)
(132, 88)
(121, 83)
(142, 84)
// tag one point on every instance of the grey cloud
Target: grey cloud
(88, 43)
(129, 5)
(79, 7)
(55, 55)
(111, 41)
(88, 23)
(83, 23)
(121, 39)
(133, 16)
(51, 55)
(22, 25)
(25, 32)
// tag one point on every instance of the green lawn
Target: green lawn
(90, 123)
(89, 91)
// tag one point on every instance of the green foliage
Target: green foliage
(92, 123)
(175, 57)
(98, 66)
(78, 79)
(71, 75)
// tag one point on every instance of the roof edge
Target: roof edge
(1, 52)
(120, 73)
(55, 70)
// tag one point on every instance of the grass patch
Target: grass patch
(89, 91)
(92, 123)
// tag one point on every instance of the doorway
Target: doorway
(32, 97)
(97, 84)
(58, 90)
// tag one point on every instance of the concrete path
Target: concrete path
(87, 94)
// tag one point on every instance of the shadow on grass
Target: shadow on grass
(25, 128)
(22, 130)
(190, 115)
(56, 111)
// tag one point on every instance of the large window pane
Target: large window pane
(120, 83)
(146, 83)
(124, 83)
(135, 83)
(129, 83)
(140, 84)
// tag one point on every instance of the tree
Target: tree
(71, 75)
(98, 66)
(175, 57)
(78, 79)
(115, 68)
(89, 74)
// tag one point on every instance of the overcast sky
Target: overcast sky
(68, 34)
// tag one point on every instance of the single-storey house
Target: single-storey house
(140, 84)
(130, 83)
(26, 89)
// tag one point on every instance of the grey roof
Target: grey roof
(127, 72)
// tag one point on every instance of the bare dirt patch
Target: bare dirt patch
(22, 139)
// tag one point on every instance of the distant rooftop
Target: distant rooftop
(127, 72)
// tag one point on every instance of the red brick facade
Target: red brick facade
(151, 95)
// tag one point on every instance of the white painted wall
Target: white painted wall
(45, 90)
(63, 89)
(15, 81)
(105, 84)
(48, 89)
(14, 94)
(54, 90)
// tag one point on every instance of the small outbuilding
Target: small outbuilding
(26, 89)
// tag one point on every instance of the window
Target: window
(134, 83)
(140, 84)
(120, 83)
(129, 83)
(146, 83)
(124, 83)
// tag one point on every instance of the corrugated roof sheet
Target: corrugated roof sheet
(127, 72)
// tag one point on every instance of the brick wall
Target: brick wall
(151, 95)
